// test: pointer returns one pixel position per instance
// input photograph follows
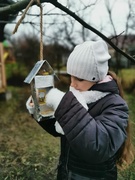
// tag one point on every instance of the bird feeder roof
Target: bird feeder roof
(35, 70)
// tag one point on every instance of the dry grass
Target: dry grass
(128, 79)
(26, 150)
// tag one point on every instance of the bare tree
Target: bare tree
(20, 5)
(6, 18)
(120, 40)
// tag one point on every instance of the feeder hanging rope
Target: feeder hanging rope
(22, 17)
(41, 24)
(41, 29)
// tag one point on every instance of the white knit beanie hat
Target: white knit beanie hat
(89, 61)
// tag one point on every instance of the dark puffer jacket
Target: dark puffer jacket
(92, 138)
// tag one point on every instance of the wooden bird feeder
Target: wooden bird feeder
(41, 80)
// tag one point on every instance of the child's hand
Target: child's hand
(53, 98)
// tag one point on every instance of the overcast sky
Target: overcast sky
(120, 11)
(96, 15)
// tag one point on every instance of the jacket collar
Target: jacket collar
(110, 86)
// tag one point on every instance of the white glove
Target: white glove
(79, 97)
(58, 128)
(53, 98)
(29, 105)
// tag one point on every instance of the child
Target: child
(91, 119)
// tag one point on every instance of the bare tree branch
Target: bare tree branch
(12, 9)
(63, 8)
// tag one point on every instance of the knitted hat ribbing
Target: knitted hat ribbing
(89, 61)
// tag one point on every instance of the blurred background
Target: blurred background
(26, 150)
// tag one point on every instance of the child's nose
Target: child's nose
(73, 84)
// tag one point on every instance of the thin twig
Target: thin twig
(87, 26)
